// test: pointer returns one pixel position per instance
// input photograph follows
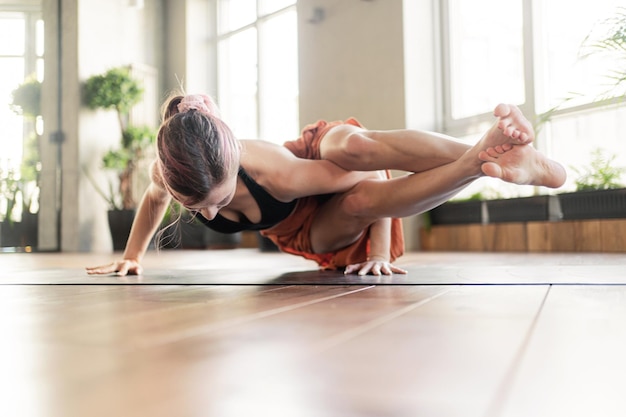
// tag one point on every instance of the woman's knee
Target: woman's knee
(360, 147)
(352, 150)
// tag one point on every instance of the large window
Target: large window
(532, 53)
(258, 68)
(21, 58)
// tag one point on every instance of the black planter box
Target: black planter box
(523, 209)
(10, 234)
(457, 212)
(20, 234)
(596, 204)
(120, 222)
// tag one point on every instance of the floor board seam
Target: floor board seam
(505, 387)
(204, 330)
(346, 336)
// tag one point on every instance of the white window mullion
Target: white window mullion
(251, 98)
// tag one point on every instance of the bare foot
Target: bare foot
(510, 128)
(522, 164)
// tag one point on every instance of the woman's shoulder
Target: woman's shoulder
(269, 165)
(258, 154)
(261, 145)
(155, 174)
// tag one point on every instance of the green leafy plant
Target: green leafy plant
(26, 98)
(608, 38)
(26, 102)
(9, 189)
(117, 90)
(600, 174)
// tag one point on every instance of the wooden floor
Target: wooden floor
(243, 333)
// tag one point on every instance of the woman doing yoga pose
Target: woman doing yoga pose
(328, 195)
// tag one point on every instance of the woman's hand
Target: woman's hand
(374, 266)
(120, 268)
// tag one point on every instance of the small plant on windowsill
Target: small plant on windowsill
(20, 188)
(600, 193)
(26, 102)
(600, 174)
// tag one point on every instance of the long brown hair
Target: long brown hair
(196, 150)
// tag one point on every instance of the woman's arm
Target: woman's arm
(378, 260)
(147, 220)
(288, 177)
(380, 248)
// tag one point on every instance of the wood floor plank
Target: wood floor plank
(80, 352)
(447, 358)
(320, 351)
(257, 365)
(575, 364)
(97, 373)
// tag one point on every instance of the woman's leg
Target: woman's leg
(357, 149)
(347, 215)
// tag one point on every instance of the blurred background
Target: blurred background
(71, 152)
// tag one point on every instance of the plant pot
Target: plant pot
(20, 234)
(120, 222)
(457, 212)
(29, 236)
(523, 209)
(10, 234)
(595, 204)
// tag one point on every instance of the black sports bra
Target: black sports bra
(272, 210)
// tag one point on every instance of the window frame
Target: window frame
(221, 36)
(474, 124)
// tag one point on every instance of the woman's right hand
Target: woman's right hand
(120, 268)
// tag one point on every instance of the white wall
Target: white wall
(95, 36)
(373, 60)
(351, 62)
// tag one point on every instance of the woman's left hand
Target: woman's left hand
(374, 267)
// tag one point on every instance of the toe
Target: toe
(502, 110)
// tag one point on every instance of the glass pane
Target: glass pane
(574, 137)
(279, 78)
(234, 14)
(269, 6)
(12, 29)
(565, 75)
(11, 76)
(39, 43)
(39, 69)
(485, 69)
(237, 83)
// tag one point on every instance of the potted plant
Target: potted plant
(599, 194)
(26, 98)
(24, 188)
(9, 188)
(117, 90)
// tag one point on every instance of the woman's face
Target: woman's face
(219, 198)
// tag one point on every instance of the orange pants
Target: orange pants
(292, 235)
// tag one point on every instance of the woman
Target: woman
(326, 196)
